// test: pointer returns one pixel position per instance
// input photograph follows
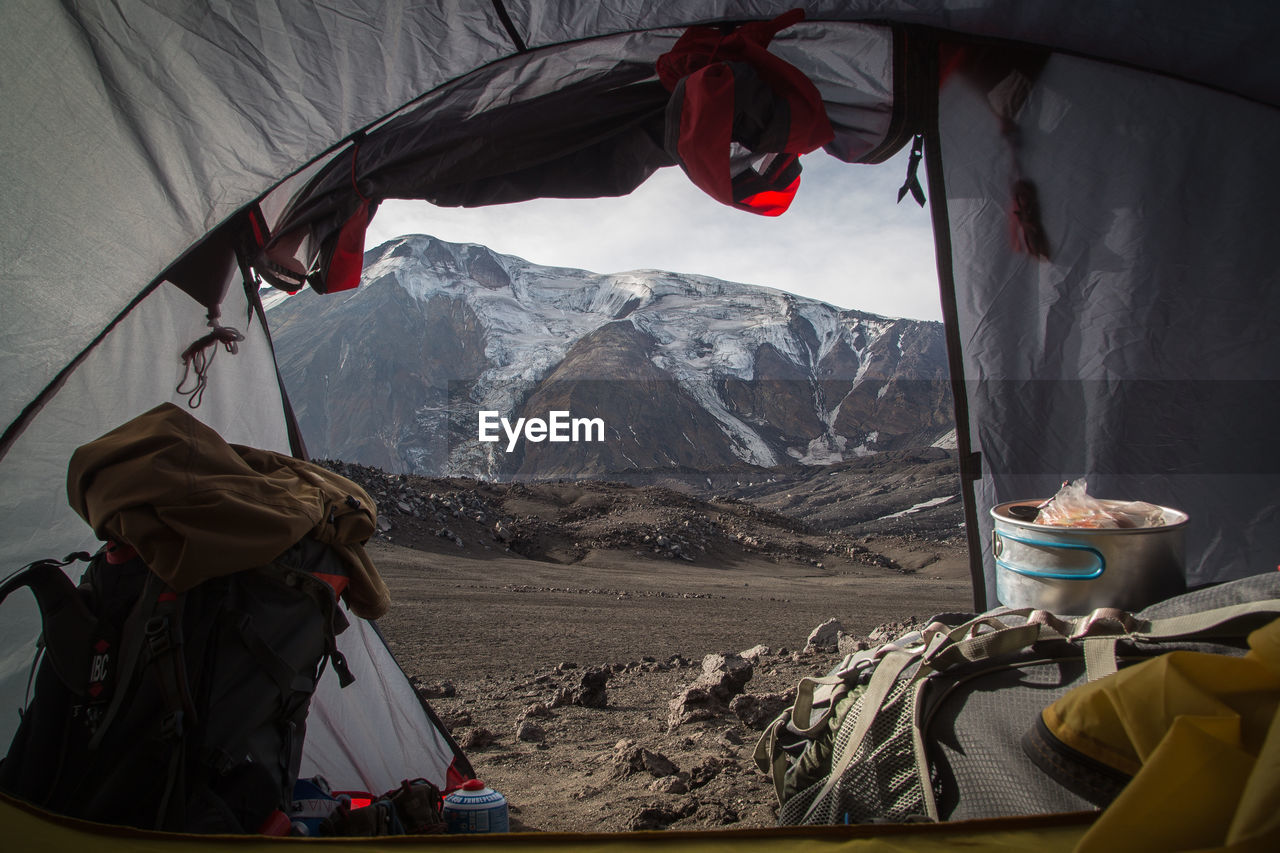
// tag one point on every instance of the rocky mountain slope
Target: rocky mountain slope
(655, 370)
(845, 514)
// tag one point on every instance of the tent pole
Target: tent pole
(297, 447)
(970, 461)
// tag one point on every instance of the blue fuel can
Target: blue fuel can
(475, 808)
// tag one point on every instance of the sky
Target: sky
(845, 239)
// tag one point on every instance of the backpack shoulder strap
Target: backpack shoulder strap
(68, 624)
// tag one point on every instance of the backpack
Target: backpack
(174, 711)
(932, 726)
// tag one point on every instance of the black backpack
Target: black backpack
(181, 712)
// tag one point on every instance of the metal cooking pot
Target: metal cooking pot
(1073, 570)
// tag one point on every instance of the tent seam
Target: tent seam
(505, 18)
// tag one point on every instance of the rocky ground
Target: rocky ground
(608, 654)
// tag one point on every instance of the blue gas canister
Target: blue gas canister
(475, 808)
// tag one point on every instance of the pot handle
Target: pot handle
(1088, 573)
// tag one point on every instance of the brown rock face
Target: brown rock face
(779, 399)
(650, 420)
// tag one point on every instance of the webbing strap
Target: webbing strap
(1100, 657)
(771, 759)
(802, 721)
(1190, 624)
(997, 643)
(1100, 651)
(882, 681)
(920, 753)
(970, 628)
(66, 622)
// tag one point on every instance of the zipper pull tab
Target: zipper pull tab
(912, 183)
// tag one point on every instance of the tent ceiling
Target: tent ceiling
(138, 127)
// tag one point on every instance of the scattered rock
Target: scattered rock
(669, 785)
(537, 709)
(657, 817)
(710, 768)
(435, 689)
(713, 812)
(722, 678)
(530, 732)
(890, 631)
(477, 738)
(694, 703)
(591, 692)
(562, 698)
(826, 635)
(725, 675)
(635, 759)
(757, 711)
(754, 653)
(453, 720)
(849, 644)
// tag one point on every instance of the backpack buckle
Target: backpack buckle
(171, 725)
(158, 635)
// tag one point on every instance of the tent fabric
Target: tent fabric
(1145, 353)
(348, 729)
(147, 125)
(1140, 353)
(606, 137)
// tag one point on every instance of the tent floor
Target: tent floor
(40, 831)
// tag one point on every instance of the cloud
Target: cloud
(845, 240)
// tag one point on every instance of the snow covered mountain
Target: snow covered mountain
(649, 369)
